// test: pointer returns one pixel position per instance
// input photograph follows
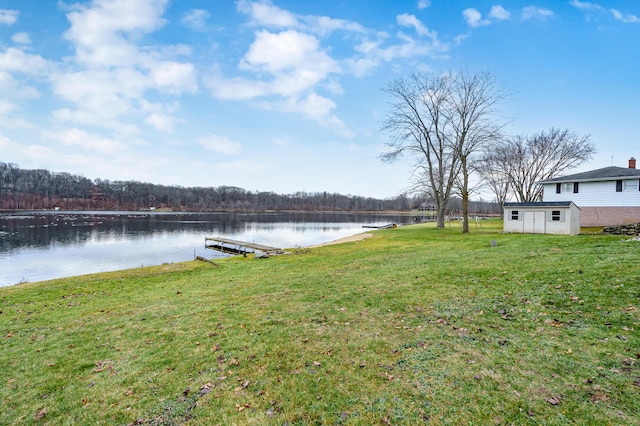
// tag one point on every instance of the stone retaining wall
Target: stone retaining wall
(632, 229)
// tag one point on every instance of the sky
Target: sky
(288, 95)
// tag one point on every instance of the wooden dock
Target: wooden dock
(227, 245)
(388, 226)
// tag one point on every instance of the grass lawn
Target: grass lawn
(412, 326)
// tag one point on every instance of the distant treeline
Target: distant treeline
(43, 189)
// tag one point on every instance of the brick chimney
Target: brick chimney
(632, 163)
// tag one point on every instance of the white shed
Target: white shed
(559, 217)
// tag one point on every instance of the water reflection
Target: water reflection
(37, 246)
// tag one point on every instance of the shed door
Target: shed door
(534, 222)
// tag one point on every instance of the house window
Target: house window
(629, 185)
(556, 216)
(515, 215)
(567, 187)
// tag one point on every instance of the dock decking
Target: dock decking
(388, 226)
(238, 247)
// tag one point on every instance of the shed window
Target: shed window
(555, 216)
(515, 215)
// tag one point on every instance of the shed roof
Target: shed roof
(606, 173)
(542, 204)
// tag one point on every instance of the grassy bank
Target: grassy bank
(413, 325)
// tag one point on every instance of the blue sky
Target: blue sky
(287, 95)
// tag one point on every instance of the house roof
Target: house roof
(606, 173)
(542, 204)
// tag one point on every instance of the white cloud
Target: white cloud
(627, 19)
(8, 16)
(6, 107)
(474, 18)
(11, 88)
(80, 139)
(22, 153)
(237, 88)
(160, 115)
(407, 20)
(500, 13)
(583, 5)
(320, 109)
(288, 63)
(292, 62)
(113, 69)
(273, 52)
(104, 32)
(423, 4)
(13, 85)
(534, 12)
(324, 25)
(174, 77)
(220, 144)
(104, 93)
(161, 122)
(265, 13)
(374, 51)
(196, 19)
(315, 106)
(21, 38)
(16, 60)
(589, 7)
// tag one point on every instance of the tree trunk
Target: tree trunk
(465, 196)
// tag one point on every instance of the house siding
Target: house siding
(595, 194)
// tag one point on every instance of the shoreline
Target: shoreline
(351, 238)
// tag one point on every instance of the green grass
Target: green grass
(412, 326)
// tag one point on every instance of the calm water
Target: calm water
(36, 246)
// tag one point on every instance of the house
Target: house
(607, 196)
(555, 217)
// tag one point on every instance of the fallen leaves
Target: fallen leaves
(243, 386)
(40, 414)
(105, 365)
(206, 388)
(242, 407)
(554, 400)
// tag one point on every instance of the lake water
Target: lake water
(37, 246)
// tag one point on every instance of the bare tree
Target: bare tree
(473, 116)
(495, 175)
(441, 122)
(419, 129)
(526, 160)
